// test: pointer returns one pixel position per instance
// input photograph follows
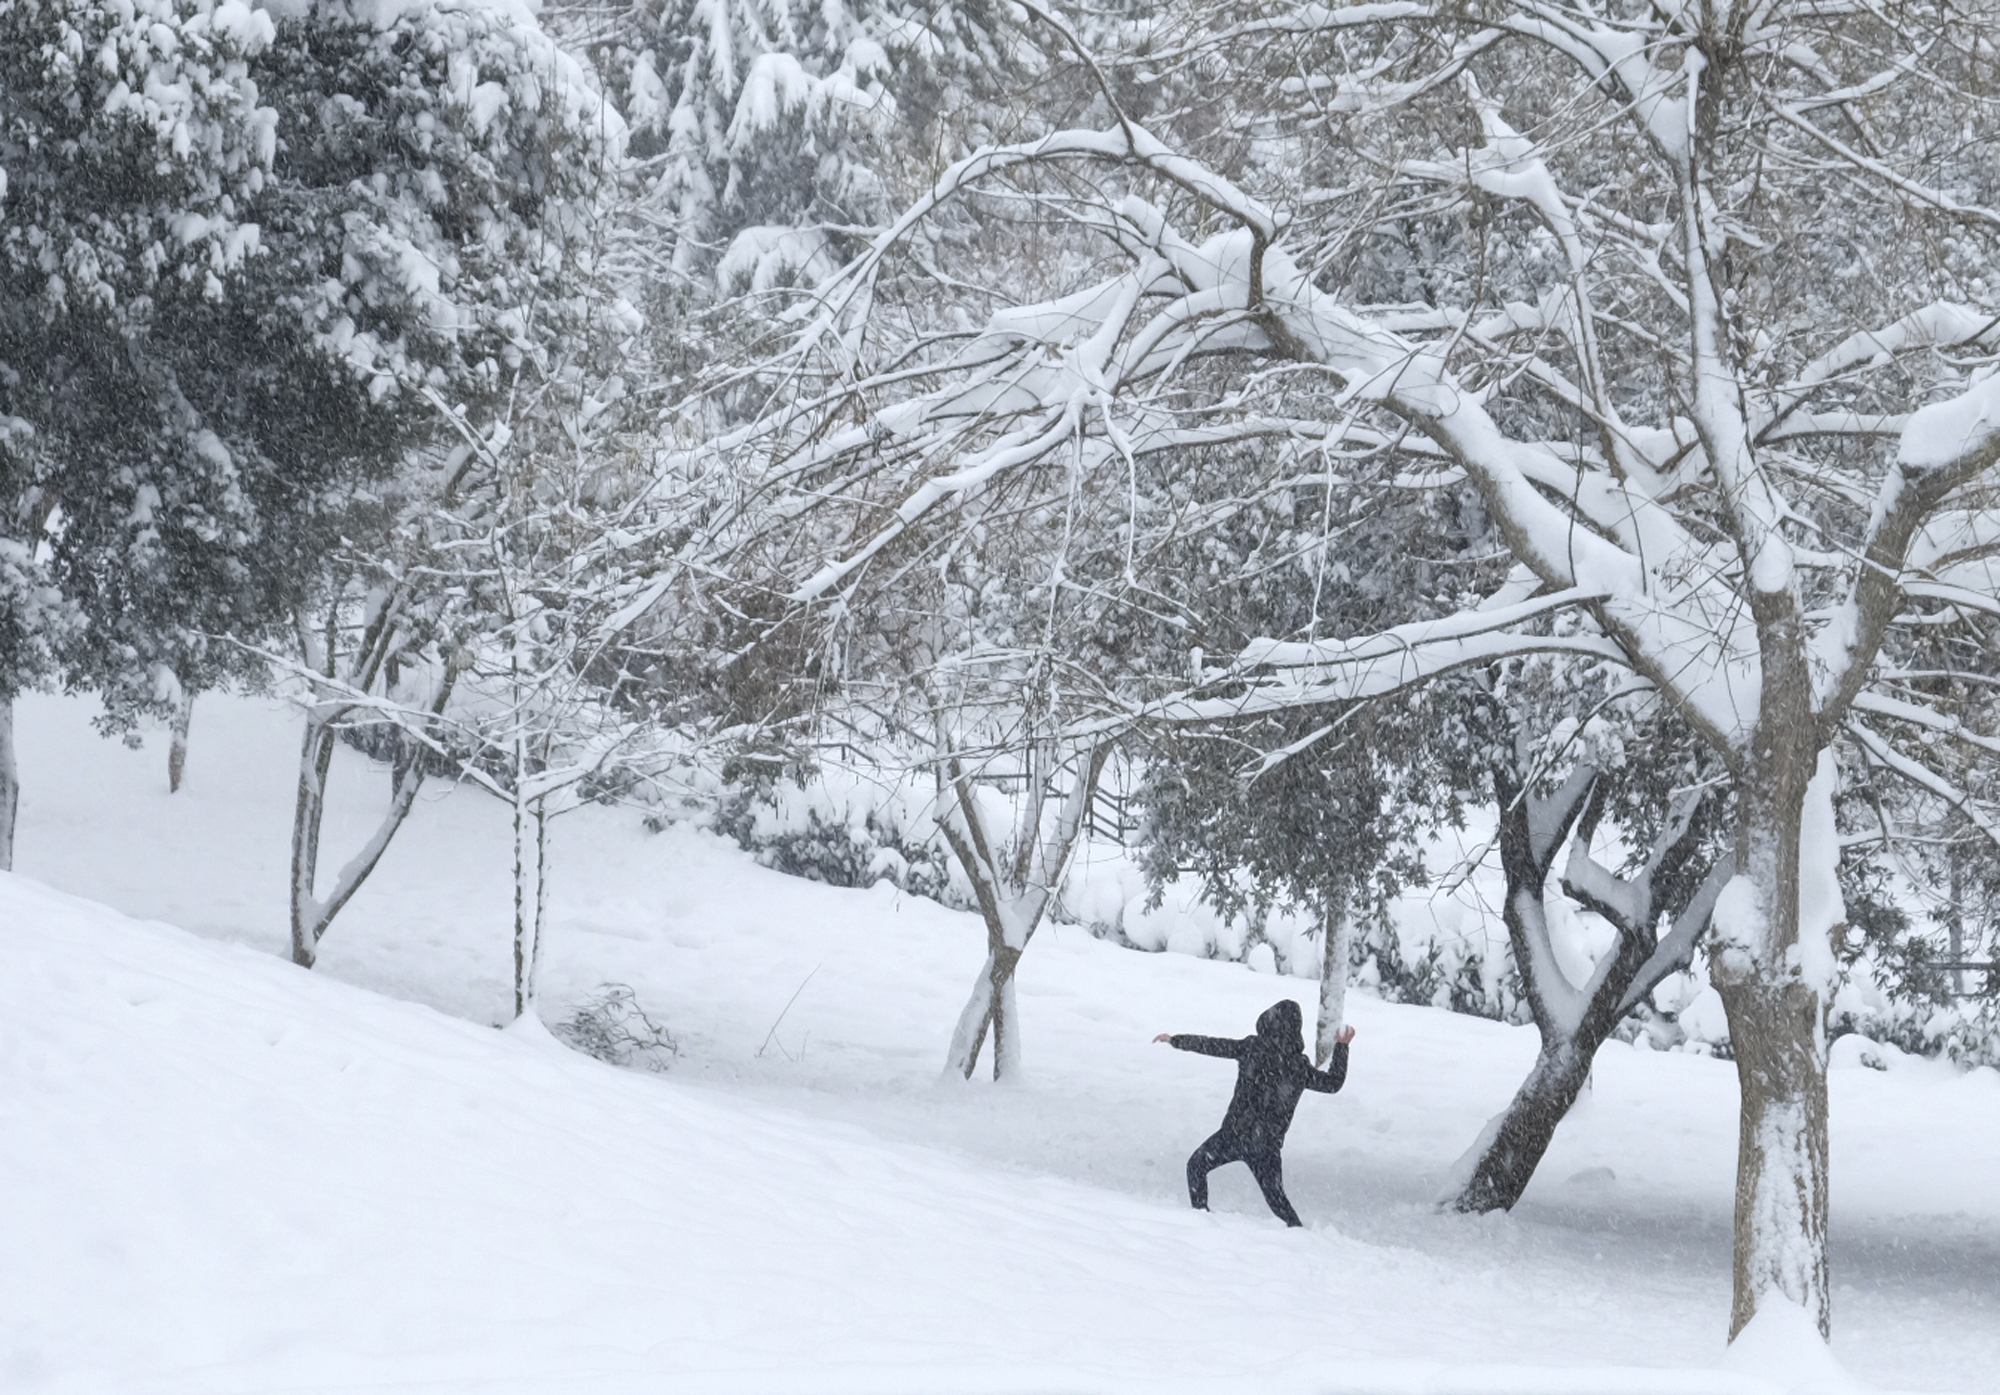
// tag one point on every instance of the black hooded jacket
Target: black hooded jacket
(1272, 1071)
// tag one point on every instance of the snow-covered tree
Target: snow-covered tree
(234, 296)
(1708, 332)
(131, 140)
(987, 650)
(1016, 859)
(1309, 809)
(772, 132)
(1658, 906)
(433, 222)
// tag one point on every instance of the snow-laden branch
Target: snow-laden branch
(1791, 115)
(1277, 674)
(1926, 779)
(1664, 597)
(1131, 143)
(1940, 325)
(1925, 719)
(1367, 649)
(1675, 950)
(1944, 446)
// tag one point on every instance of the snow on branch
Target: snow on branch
(1334, 654)
(1925, 778)
(1944, 446)
(1274, 675)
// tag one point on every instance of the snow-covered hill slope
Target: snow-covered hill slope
(220, 1173)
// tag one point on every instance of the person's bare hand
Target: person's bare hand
(1164, 1036)
(1346, 1035)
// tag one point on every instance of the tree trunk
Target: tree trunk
(1339, 955)
(315, 758)
(1006, 1018)
(10, 784)
(1770, 973)
(541, 892)
(177, 744)
(523, 917)
(1954, 922)
(310, 915)
(531, 847)
(1505, 1158)
(1778, 1035)
(1497, 1168)
(992, 1005)
(970, 1034)
(1014, 884)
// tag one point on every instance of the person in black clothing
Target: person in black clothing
(1271, 1073)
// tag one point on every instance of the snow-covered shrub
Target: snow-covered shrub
(844, 825)
(1940, 1023)
(1906, 924)
(610, 1025)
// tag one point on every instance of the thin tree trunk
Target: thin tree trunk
(1339, 955)
(10, 784)
(970, 1034)
(1955, 921)
(523, 951)
(541, 892)
(1015, 887)
(530, 891)
(1006, 1016)
(311, 916)
(177, 744)
(315, 758)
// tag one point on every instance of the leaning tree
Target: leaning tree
(1693, 298)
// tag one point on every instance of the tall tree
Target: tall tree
(435, 216)
(132, 139)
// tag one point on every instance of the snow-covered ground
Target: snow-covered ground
(219, 1173)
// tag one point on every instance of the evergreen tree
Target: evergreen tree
(132, 140)
(231, 318)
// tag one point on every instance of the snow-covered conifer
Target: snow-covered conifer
(769, 134)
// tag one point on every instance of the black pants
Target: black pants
(1265, 1164)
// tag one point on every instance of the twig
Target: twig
(785, 1009)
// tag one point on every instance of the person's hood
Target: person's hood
(1281, 1022)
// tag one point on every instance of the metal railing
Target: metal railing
(1959, 968)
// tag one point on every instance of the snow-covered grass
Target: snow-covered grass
(220, 1173)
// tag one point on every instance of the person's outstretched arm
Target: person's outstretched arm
(1230, 1047)
(1330, 1080)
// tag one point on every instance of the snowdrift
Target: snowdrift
(222, 1174)
(219, 1173)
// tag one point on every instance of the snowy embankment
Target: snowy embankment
(219, 1173)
